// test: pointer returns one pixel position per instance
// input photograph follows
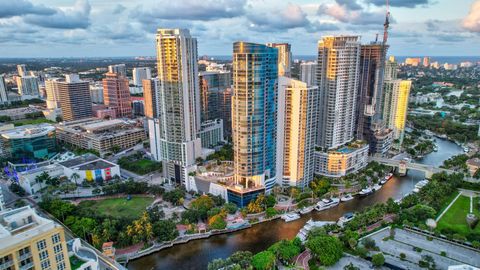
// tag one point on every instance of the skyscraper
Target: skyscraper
(395, 104)
(284, 58)
(53, 98)
(140, 74)
(254, 106)
(337, 78)
(150, 95)
(296, 125)
(3, 90)
(74, 98)
(21, 70)
(116, 94)
(119, 69)
(28, 87)
(369, 123)
(215, 96)
(173, 133)
(308, 73)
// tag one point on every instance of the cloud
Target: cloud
(11, 8)
(118, 9)
(472, 21)
(292, 16)
(400, 3)
(343, 14)
(350, 4)
(321, 26)
(206, 10)
(432, 25)
(74, 17)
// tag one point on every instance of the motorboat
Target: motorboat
(290, 216)
(345, 219)
(326, 204)
(388, 176)
(346, 198)
(376, 187)
(303, 233)
(365, 192)
(306, 210)
(421, 184)
(435, 148)
(383, 181)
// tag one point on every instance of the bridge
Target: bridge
(403, 165)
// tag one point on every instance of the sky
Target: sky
(106, 28)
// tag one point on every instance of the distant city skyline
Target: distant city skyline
(98, 28)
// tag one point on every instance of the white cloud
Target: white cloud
(472, 21)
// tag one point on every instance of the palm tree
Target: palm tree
(75, 177)
(42, 178)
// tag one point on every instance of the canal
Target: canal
(196, 254)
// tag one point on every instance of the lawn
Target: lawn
(454, 218)
(75, 262)
(119, 207)
(139, 166)
(31, 122)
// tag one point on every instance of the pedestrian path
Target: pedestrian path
(448, 207)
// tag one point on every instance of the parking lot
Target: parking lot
(405, 241)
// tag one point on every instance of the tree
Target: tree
(327, 249)
(42, 178)
(264, 260)
(58, 119)
(286, 251)
(270, 212)
(75, 177)
(351, 267)
(378, 259)
(217, 222)
(231, 208)
(369, 243)
(165, 230)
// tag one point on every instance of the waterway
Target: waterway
(196, 254)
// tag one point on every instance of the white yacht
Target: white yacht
(346, 198)
(326, 204)
(290, 216)
(365, 192)
(345, 218)
(303, 233)
(307, 210)
(376, 187)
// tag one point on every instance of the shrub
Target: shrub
(378, 259)
(403, 256)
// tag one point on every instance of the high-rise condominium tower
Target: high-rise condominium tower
(284, 58)
(3, 90)
(369, 123)
(308, 73)
(395, 105)
(116, 94)
(254, 106)
(28, 87)
(22, 70)
(216, 97)
(119, 69)
(337, 78)
(141, 73)
(74, 98)
(53, 98)
(176, 122)
(296, 126)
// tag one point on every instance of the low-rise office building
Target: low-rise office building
(90, 168)
(100, 135)
(211, 133)
(342, 161)
(30, 241)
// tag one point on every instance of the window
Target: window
(41, 245)
(58, 248)
(56, 238)
(24, 251)
(43, 255)
(59, 258)
(61, 266)
(45, 264)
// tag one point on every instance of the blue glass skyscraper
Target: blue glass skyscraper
(254, 102)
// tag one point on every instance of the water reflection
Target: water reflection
(197, 254)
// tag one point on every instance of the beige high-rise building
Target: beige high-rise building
(21, 70)
(337, 78)
(174, 129)
(284, 58)
(74, 98)
(29, 241)
(116, 94)
(53, 98)
(296, 125)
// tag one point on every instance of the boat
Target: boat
(435, 148)
(376, 187)
(303, 233)
(365, 192)
(416, 190)
(326, 204)
(383, 181)
(465, 149)
(346, 198)
(388, 176)
(307, 210)
(290, 216)
(345, 219)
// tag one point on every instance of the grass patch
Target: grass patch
(32, 122)
(75, 262)
(455, 217)
(139, 166)
(119, 207)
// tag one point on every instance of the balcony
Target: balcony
(5, 265)
(25, 256)
(27, 266)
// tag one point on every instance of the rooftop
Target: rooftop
(87, 162)
(28, 131)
